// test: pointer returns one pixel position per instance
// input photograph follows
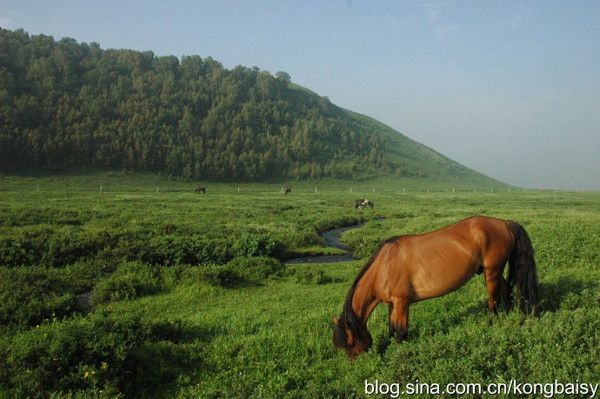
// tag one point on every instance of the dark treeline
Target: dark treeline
(67, 105)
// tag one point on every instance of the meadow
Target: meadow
(132, 285)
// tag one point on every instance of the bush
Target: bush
(29, 296)
(26, 217)
(363, 246)
(261, 245)
(171, 250)
(52, 247)
(222, 276)
(241, 271)
(97, 353)
(67, 245)
(304, 237)
(24, 247)
(130, 280)
(256, 268)
(77, 354)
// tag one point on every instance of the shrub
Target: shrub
(129, 281)
(305, 237)
(222, 276)
(241, 271)
(174, 250)
(256, 268)
(24, 247)
(29, 296)
(46, 246)
(67, 245)
(25, 217)
(262, 245)
(362, 246)
(92, 354)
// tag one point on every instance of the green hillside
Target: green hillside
(417, 160)
(66, 105)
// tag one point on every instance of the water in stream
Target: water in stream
(332, 239)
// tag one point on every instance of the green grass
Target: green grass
(170, 332)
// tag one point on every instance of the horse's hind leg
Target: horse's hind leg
(399, 317)
(505, 293)
(497, 288)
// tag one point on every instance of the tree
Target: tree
(283, 77)
(65, 104)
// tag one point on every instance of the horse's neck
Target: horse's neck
(364, 300)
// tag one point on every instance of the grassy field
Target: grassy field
(131, 285)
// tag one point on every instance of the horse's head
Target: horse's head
(349, 336)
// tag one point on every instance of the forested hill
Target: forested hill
(66, 105)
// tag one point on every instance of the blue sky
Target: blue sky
(509, 88)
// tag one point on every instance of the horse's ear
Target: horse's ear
(349, 338)
(335, 320)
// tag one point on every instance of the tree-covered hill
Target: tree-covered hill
(66, 105)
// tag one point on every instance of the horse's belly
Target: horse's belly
(431, 281)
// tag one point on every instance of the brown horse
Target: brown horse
(200, 189)
(411, 268)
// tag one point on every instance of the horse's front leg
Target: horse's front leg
(399, 317)
(390, 325)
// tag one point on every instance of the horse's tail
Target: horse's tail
(521, 268)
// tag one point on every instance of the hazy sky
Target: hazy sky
(509, 88)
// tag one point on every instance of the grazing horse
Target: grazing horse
(361, 203)
(200, 189)
(287, 190)
(411, 268)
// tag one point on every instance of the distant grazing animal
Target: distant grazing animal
(287, 191)
(361, 203)
(411, 268)
(200, 189)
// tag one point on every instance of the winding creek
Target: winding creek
(331, 239)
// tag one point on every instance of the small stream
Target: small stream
(332, 239)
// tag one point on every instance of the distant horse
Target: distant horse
(411, 268)
(287, 190)
(200, 189)
(361, 203)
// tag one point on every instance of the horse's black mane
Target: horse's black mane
(348, 317)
